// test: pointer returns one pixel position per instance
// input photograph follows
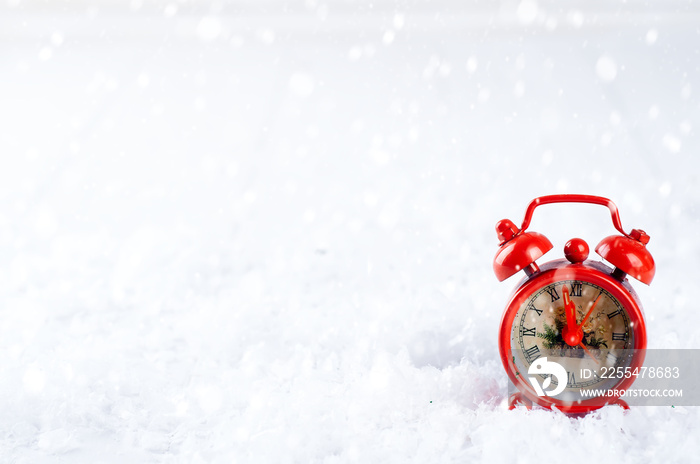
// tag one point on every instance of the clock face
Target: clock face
(605, 341)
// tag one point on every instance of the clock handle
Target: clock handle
(571, 198)
(518, 249)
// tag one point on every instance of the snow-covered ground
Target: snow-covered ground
(263, 232)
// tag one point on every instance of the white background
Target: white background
(263, 231)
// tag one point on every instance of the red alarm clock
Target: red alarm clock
(573, 333)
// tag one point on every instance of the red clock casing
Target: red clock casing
(520, 249)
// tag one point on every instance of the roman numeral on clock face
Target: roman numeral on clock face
(553, 293)
(614, 313)
(531, 307)
(532, 352)
(528, 332)
(576, 289)
(619, 336)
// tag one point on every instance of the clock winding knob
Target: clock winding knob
(576, 250)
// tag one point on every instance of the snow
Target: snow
(263, 232)
(606, 68)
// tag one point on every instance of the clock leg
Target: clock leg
(517, 399)
(622, 403)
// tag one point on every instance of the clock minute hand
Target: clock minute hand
(590, 311)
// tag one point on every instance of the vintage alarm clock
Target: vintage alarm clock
(573, 332)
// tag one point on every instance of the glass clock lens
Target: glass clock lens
(540, 326)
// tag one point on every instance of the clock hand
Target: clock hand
(588, 352)
(580, 326)
(590, 311)
(572, 333)
(570, 308)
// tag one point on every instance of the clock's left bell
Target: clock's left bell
(518, 250)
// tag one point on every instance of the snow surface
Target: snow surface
(263, 232)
